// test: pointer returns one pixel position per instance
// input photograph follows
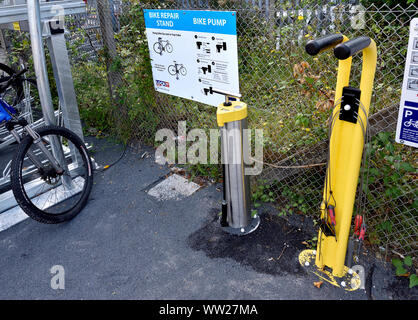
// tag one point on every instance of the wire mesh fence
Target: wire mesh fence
(290, 96)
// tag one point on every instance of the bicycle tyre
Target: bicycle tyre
(169, 48)
(183, 71)
(17, 179)
(172, 70)
(158, 48)
(16, 85)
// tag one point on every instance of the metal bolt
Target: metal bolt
(307, 263)
(342, 283)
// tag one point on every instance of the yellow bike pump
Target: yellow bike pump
(236, 204)
(347, 137)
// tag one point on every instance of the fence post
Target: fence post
(109, 46)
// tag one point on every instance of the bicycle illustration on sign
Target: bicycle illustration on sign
(176, 69)
(411, 122)
(162, 45)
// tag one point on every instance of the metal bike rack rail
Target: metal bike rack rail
(19, 11)
(37, 18)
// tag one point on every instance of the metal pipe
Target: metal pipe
(38, 53)
(39, 62)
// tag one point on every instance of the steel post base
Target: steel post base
(255, 222)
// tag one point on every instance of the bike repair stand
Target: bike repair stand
(236, 203)
(347, 136)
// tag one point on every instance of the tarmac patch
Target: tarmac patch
(272, 249)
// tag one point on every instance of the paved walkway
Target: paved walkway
(127, 245)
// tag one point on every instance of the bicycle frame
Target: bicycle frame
(8, 115)
(5, 111)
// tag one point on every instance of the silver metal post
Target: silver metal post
(35, 31)
(64, 81)
(38, 54)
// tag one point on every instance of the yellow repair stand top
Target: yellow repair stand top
(346, 148)
(237, 110)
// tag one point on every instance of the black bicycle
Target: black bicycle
(162, 45)
(51, 172)
(176, 69)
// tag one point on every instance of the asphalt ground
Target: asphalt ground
(127, 245)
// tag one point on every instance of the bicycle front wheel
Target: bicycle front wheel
(43, 193)
(172, 70)
(183, 71)
(169, 48)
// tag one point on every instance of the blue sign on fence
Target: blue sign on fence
(409, 123)
(223, 22)
(407, 128)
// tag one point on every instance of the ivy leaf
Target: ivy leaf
(408, 261)
(400, 271)
(407, 167)
(397, 263)
(413, 281)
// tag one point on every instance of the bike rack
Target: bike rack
(347, 140)
(40, 20)
(43, 20)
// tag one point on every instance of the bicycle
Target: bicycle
(51, 174)
(177, 69)
(159, 46)
(22, 94)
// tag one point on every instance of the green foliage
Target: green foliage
(403, 267)
(390, 179)
(132, 114)
(389, 3)
(390, 166)
(262, 193)
(296, 202)
(208, 171)
(93, 95)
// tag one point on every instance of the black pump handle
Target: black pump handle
(351, 47)
(313, 47)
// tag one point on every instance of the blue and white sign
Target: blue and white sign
(192, 51)
(407, 128)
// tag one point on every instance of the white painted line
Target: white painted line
(15, 215)
(11, 217)
(174, 187)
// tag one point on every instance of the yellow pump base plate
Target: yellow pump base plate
(350, 281)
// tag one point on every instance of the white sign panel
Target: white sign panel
(407, 128)
(193, 51)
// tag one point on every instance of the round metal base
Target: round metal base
(255, 222)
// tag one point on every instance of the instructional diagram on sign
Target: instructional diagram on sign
(192, 52)
(407, 128)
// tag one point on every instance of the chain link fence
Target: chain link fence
(289, 94)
